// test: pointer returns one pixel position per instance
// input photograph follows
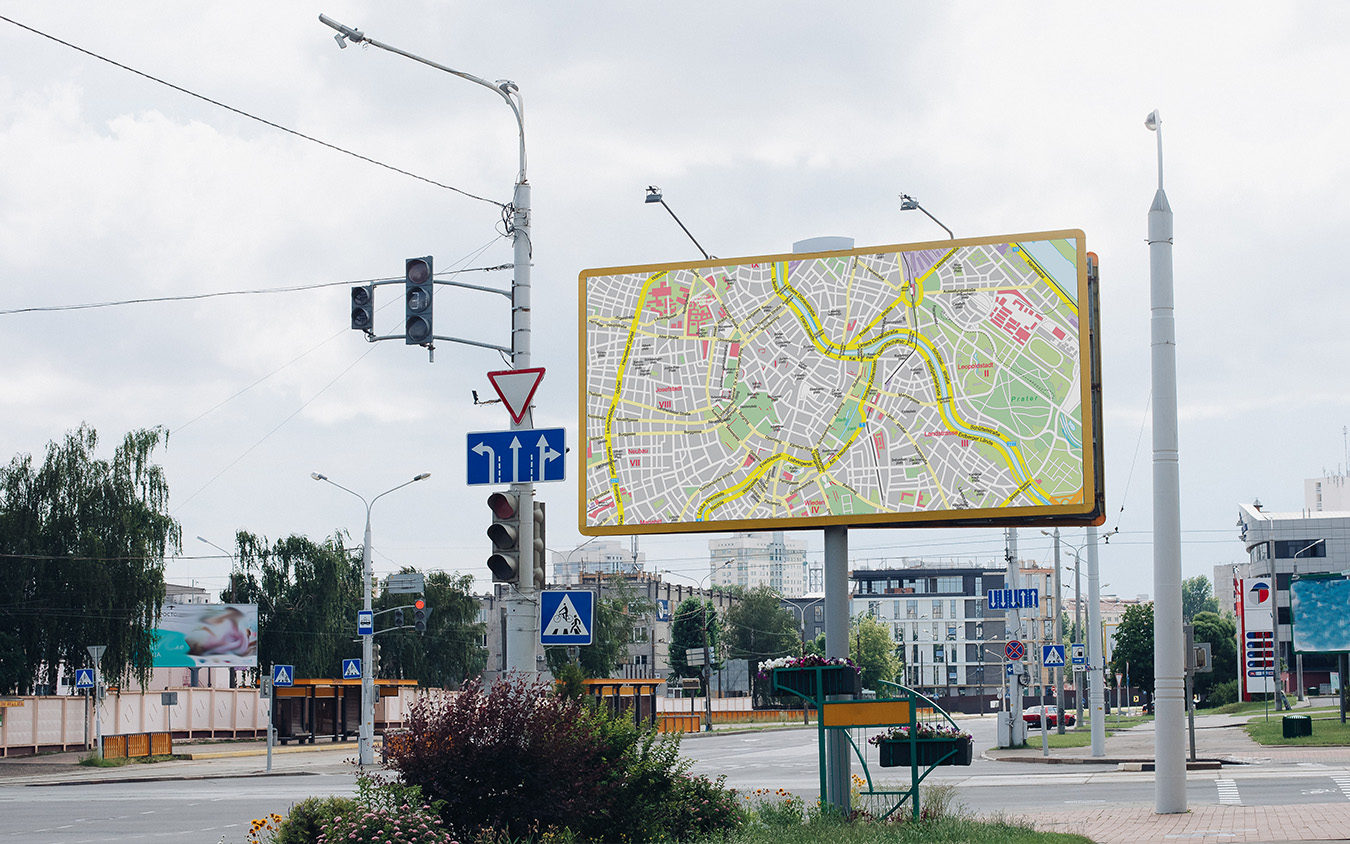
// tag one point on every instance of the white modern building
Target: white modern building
(1314, 540)
(759, 559)
(606, 557)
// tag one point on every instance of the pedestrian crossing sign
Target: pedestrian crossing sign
(351, 669)
(1052, 656)
(84, 678)
(283, 675)
(567, 617)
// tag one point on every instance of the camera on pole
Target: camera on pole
(419, 285)
(505, 535)
(363, 308)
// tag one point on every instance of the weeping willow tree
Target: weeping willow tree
(83, 541)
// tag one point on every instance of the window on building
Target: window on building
(1260, 552)
(956, 613)
(641, 634)
(939, 654)
(1300, 548)
(949, 584)
(895, 609)
(874, 608)
(820, 613)
(951, 632)
(937, 609)
(911, 609)
(899, 632)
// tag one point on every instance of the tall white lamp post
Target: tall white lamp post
(366, 736)
(1168, 646)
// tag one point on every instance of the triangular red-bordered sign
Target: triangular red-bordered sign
(516, 389)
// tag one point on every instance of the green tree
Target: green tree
(1134, 645)
(874, 651)
(617, 613)
(308, 594)
(687, 627)
(759, 629)
(84, 540)
(448, 653)
(1197, 596)
(1221, 634)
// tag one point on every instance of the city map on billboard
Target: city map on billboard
(929, 384)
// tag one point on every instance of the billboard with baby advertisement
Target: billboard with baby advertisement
(207, 636)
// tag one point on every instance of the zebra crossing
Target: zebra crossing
(1228, 792)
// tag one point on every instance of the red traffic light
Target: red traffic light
(420, 604)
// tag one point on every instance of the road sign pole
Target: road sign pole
(365, 741)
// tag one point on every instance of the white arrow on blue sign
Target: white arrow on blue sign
(1052, 656)
(1079, 654)
(351, 669)
(1013, 599)
(516, 457)
(365, 623)
(84, 678)
(283, 675)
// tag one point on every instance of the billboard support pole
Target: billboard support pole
(838, 765)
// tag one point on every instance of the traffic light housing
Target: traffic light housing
(419, 285)
(363, 308)
(540, 548)
(505, 535)
(398, 617)
(374, 659)
(420, 613)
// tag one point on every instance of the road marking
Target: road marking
(1343, 783)
(1228, 792)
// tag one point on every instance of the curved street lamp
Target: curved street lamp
(366, 735)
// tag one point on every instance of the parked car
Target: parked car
(1032, 715)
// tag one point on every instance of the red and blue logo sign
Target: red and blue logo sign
(1260, 591)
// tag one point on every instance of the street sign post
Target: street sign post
(566, 617)
(527, 456)
(351, 669)
(405, 583)
(84, 678)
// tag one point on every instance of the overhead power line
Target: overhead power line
(246, 114)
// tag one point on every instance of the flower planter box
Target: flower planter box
(930, 752)
(835, 680)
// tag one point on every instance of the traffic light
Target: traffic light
(374, 660)
(363, 308)
(419, 285)
(539, 549)
(504, 533)
(398, 617)
(420, 613)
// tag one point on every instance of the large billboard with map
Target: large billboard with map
(933, 384)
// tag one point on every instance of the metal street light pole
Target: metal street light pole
(1169, 744)
(523, 627)
(366, 736)
(234, 588)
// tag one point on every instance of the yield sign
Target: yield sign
(516, 388)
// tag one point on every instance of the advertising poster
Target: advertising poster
(1258, 635)
(207, 636)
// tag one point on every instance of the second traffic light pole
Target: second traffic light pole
(522, 613)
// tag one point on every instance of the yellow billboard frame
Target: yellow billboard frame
(1086, 506)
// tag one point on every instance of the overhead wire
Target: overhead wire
(246, 114)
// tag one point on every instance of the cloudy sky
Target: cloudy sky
(763, 122)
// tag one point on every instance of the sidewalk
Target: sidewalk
(1221, 742)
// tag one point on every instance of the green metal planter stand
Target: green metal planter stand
(900, 708)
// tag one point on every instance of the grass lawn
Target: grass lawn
(940, 831)
(1327, 730)
(1080, 735)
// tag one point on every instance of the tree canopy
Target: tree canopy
(1197, 596)
(85, 540)
(1221, 633)
(872, 648)
(686, 631)
(1134, 646)
(448, 653)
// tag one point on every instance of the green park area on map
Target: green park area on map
(935, 383)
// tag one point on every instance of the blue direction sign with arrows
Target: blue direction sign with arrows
(528, 456)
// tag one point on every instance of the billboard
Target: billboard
(1256, 631)
(207, 635)
(944, 383)
(1318, 603)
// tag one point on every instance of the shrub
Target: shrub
(307, 819)
(517, 761)
(1223, 693)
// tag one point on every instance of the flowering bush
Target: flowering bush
(922, 730)
(808, 661)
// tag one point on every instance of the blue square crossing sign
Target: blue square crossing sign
(566, 617)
